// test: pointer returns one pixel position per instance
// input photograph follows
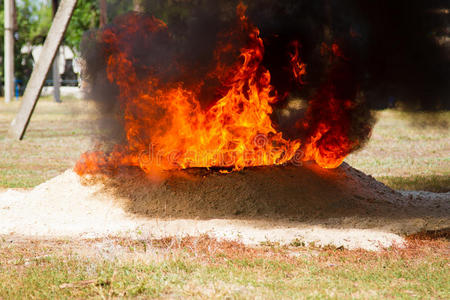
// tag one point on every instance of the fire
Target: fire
(166, 127)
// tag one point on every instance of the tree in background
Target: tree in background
(33, 21)
(85, 17)
(118, 7)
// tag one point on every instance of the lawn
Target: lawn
(407, 151)
(56, 136)
(202, 268)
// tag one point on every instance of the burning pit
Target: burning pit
(215, 107)
(213, 122)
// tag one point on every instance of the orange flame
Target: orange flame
(166, 128)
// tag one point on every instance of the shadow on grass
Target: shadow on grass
(432, 183)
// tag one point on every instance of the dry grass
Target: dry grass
(206, 268)
(57, 134)
(408, 151)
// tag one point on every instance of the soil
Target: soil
(341, 207)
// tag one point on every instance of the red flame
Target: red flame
(166, 128)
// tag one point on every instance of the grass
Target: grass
(57, 135)
(205, 268)
(432, 183)
(409, 151)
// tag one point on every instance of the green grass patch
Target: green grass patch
(433, 183)
(268, 274)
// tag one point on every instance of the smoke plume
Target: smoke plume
(341, 58)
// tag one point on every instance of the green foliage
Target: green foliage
(118, 7)
(85, 17)
(33, 21)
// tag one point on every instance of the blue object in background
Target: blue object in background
(17, 89)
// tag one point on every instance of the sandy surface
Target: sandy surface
(341, 207)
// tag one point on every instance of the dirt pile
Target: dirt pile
(342, 207)
(342, 197)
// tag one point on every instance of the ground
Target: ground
(205, 269)
(407, 151)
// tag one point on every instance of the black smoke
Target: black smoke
(393, 44)
(398, 47)
(391, 52)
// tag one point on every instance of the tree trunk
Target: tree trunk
(55, 68)
(9, 50)
(103, 13)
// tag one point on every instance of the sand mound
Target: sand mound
(342, 197)
(343, 207)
